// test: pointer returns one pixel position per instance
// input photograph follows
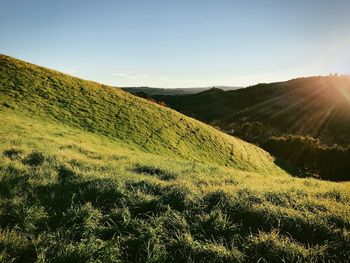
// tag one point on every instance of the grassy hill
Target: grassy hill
(44, 93)
(315, 106)
(78, 183)
(304, 123)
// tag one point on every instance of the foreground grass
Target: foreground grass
(67, 195)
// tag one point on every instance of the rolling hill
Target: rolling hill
(304, 123)
(314, 106)
(90, 173)
(32, 90)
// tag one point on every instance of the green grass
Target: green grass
(47, 94)
(67, 195)
(70, 193)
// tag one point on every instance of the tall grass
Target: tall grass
(67, 195)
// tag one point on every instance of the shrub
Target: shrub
(312, 157)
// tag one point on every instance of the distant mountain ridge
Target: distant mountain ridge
(173, 91)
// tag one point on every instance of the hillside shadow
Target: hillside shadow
(70, 189)
(290, 169)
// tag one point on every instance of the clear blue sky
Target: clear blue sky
(179, 43)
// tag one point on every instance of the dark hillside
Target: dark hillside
(284, 118)
(315, 106)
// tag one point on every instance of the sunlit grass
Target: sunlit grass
(89, 173)
(48, 95)
(92, 198)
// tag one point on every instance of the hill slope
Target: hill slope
(67, 195)
(315, 106)
(37, 91)
(75, 187)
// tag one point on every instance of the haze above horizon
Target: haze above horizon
(178, 44)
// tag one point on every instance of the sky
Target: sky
(180, 43)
